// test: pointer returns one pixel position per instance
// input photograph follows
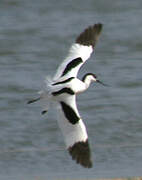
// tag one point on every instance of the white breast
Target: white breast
(78, 86)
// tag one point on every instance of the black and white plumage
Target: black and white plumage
(62, 89)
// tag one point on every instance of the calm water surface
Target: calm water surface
(34, 39)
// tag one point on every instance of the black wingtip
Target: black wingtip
(80, 152)
(90, 35)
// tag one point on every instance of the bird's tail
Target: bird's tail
(44, 96)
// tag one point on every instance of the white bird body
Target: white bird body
(79, 85)
(63, 88)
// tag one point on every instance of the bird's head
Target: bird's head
(90, 77)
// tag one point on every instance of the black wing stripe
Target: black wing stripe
(62, 82)
(71, 65)
(80, 152)
(62, 91)
(69, 113)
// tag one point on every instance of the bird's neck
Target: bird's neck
(87, 81)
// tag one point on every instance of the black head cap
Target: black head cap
(89, 74)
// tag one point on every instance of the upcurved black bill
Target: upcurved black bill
(101, 82)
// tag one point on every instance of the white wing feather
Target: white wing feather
(76, 51)
(72, 132)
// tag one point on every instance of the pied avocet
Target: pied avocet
(63, 88)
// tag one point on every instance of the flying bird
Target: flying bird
(62, 90)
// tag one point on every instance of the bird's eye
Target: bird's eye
(95, 76)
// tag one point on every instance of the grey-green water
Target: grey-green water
(34, 38)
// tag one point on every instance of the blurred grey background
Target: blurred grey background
(34, 38)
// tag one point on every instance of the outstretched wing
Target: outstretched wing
(79, 52)
(74, 131)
